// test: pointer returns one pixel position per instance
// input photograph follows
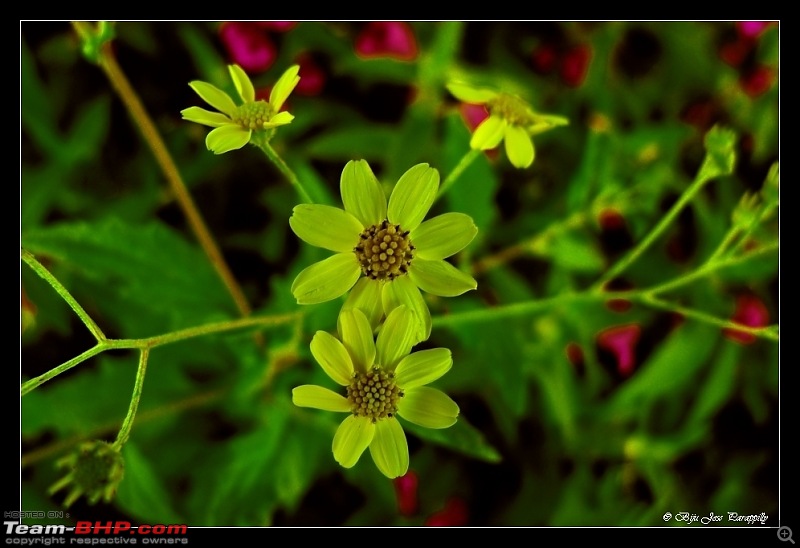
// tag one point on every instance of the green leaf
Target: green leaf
(94, 399)
(574, 251)
(147, 267)
(719, 385)
(673, 366)
(142, 493)
(243, 469)
(461, 437)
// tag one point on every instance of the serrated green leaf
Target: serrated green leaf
(142, 492)
(148, 266)
(242, 470)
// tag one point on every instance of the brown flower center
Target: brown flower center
(384, 251)
(374, 395)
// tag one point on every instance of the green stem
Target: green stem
(532, 307)
(462, 165)
(763, 332)
(655, 233)
(516, 309)
(159, 340)
(285, 169)
(45, 274)
(152, 137)
(35, 382)
(127, 423)
(708, 268)
(723, 246)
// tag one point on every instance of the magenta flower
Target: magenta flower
(750, 311)
(387, 39)
(621, 341)
(454, 514)
(248, 46)
(575, 65)
(277, 26)
(405, 487)
(757, 81)
(312, 77)
(751, 29)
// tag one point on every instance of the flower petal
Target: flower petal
(366, 297)
(226, 138)
(332, 356)
(488, 134)
(469, 94)
(325, 226)
(403, 291)
(326, 279)
(280, 119)
(440, 278)
(413, 196)
(519, 147)
(356, 335)
(443, 236)
(205, 117)
(214, 97)
(243, 83)
(396, 337)
(283, 87)
(428, 407)
(317, 397)
(423, 367)
(362, 194)
(351, 438)
(389, 448)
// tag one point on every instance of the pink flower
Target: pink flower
(751, 29)
(392, 39)
(454, 514)
(544, 58)
(750, 311)
(575, 65)
(621, 341)
(312, 77)
(277, 26)
(248, 46)
(473, 115)
(757, 81)
(405, 487)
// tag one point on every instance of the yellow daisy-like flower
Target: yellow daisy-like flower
(383, 380)
(384, 252)
(234, 124)
(510, 119)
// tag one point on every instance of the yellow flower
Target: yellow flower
(235, 124)
(385, 253)
(383, 380)
(510, 119)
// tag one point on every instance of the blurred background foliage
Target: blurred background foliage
(584, 413)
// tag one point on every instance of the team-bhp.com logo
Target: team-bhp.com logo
(149, 534)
